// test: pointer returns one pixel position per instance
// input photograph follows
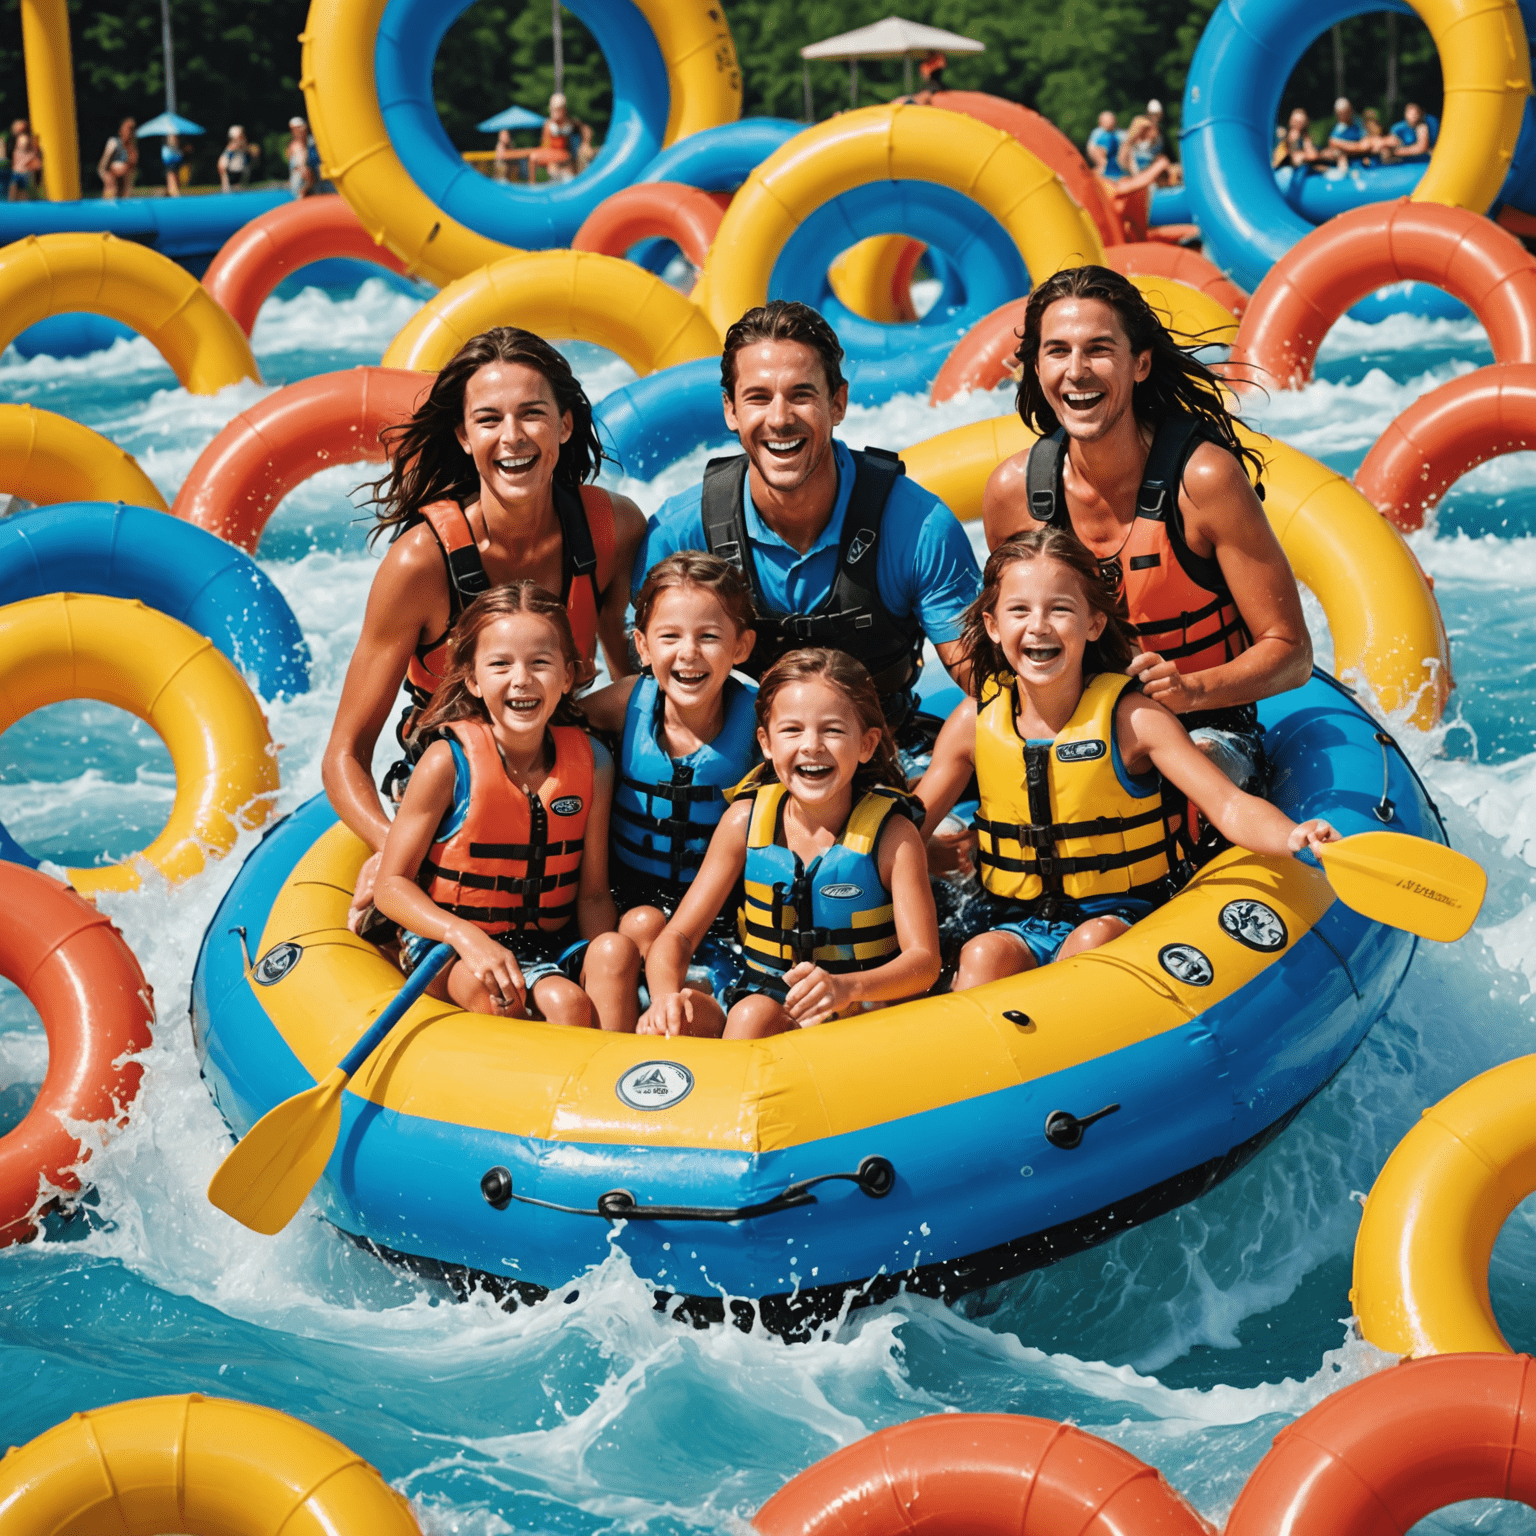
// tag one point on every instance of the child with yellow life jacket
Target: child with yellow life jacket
(1082, 779)
(500, 847)
(838, 916)
(689, 732)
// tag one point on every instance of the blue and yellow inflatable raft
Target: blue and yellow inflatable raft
(941, 1145)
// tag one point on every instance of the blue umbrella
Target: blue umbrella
(169, 122)
(513, 117)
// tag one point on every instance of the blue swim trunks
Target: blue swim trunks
(1046, 935)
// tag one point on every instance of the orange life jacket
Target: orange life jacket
(1179, 602)
(514, 862)
(586, 558)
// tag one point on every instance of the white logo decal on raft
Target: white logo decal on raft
(655, 1085)
(566, 805)
(1253, 924)
(842, 892)
(1185, 963)
(1078, 751)
(276, 964)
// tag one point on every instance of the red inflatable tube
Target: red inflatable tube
(654, 208)
(333, 418)
(1444, 434)
(77, 971)
(254, 260)
(1378, 1456)
(1354, 254)
(1046, 140)
(987, 1474)
(1149, 258)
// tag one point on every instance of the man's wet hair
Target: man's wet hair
(782, 320)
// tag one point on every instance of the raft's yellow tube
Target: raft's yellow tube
(1383, 617)
(702, 69)
(1434, 1213)
(51, 95)
(56, 274)
(573, 295)
(68, 646)
(888, 143)
(46, 458)
(865, 277)
(204, 1466)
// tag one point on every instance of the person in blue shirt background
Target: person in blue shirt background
(839, 548)
(1415, 134)
(1104, 148)
(1346, 139)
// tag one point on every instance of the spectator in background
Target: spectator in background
(1379, 140)
(1295, 147)
(171, 160)
(586, 150)
(1415, 135)
(236, 160)
(301, 175)
(932, 70)
(1104, 148)
(1140, 148)
(504, 159)
(119, 162)
(1346, 139)
(1174, 176)
(560, 139)
(26, 162)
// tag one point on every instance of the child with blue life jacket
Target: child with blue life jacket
(500, 847)
(1083, 780)
(689, 735)
(837, 916)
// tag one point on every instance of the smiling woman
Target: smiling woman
(487, 484)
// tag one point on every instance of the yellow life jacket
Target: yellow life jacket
(835, 912)
(1064, 818)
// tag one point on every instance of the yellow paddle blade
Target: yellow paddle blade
(1406, 882)
(264, 1180)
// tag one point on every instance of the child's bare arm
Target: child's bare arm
(954, 761)
(666, 966)
(605, 708)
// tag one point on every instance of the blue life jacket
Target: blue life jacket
(1408, 137)
(836, 913)
(665, 809)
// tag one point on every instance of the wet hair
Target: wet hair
(851, 678)
(1109, 653)
(452, 700)
(693, 568)
(427, 461)
(782, 320)
(1178, 382)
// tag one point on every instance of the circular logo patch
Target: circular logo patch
(566, 805)
(842, 892)
(655, 1085)
(276, 963)
(1253, 924)
(1186, 963)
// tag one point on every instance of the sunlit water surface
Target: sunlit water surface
(1191, 1341)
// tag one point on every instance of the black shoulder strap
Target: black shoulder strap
(1176, 439)
(876, 471)
(1042, 477)
(723, 511)
(578, 555)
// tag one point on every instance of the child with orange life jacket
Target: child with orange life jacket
(501, 844)
(838, 916)
(1078, 772)
(689, 735)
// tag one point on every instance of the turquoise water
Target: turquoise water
(1191, 1341)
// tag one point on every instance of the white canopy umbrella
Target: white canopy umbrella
(893, 38)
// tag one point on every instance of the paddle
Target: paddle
(266, 1177)
(1406, 882)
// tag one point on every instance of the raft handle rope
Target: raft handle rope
(1063, 1129)
(875, 1176)
(1386, 809)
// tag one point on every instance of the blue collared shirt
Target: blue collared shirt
(924, 567)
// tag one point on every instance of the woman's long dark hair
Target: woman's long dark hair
(1109, 653)
(426, 461)
(1179, 381)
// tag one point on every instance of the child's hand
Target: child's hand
(816, 995)
(492, 966)
(362, 892)
(672, 1013)
(1161, 680)
(1309, 834)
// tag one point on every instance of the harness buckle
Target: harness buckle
(1042, 505)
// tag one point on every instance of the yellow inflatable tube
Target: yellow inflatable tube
(1338, 544)
(336, 76)
(1195, 318)
(572, 295)
(864, 276)
(56, 274)
(51, 95)
(886, 143)
(46, 459)
(68, 646)
(1486, 61)
(1434, 1213)
(203, 1466)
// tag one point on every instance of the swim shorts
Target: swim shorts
(1045, 935)
(537, 954)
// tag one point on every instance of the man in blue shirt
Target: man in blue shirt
(839, 547)
(1104, 148)
(1346, 139)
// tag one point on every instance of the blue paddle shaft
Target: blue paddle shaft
(420, 979)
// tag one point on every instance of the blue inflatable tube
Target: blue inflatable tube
(535, 218)
(720, 159)
(178, 227)
(1212, 1024)
(114, 550)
